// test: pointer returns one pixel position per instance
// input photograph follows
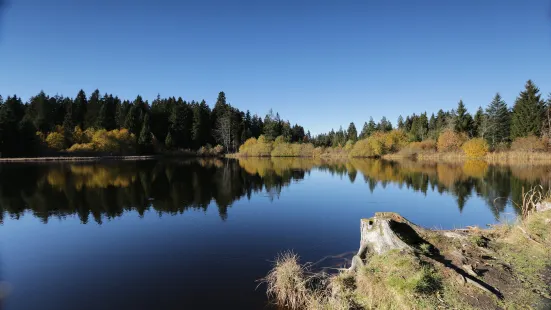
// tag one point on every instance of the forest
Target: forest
(106, 124)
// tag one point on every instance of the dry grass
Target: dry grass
(518, 157)
(287, 283)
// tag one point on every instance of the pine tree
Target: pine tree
(352, 132)
(145, 139)
(498, 123)
(528, 112)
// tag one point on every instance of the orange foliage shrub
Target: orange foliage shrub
(477, 147)
(450, 141)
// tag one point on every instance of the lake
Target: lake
(197, 234)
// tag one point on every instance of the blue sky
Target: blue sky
(319, 63)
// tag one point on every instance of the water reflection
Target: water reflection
(106, 190)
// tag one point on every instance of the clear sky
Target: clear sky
(319, 63)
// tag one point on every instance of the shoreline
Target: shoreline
(77, 158)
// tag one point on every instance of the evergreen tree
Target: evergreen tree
(371, 127)
(181, 123)
(384, 125)
(352, 132)
(364, 133)
(132, 121)
(272, 125)
(441, 120)
(201, 124)
(528, 112)
(145, 139)
(478, 123)
(79, 111)
(400, 122)
(498, 122)
(92, 110)
(432, 123)
(68, 125)
(463, 120)
(8, 131)
(42, 112)
(169, 143)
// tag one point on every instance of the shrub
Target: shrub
(55, 141)
(528, 144)
(395, 140)
(349, 145)
(450, 141)
(79, 137)
(376, 144)
(246, 148)
(81, 147)
(477, 147)
(428, 145)
(218, 150)
(372, 146)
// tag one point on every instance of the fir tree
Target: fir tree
(352, 132)
(498, 123)
(92, 110)
(527, 113)
(364, 133)
(145, 139)
(79, 111)
(132, 121)
(463, 120)
(68, 125)
(400, 122)
(169, 143)
(478, 124)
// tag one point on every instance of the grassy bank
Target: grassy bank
(506, 266)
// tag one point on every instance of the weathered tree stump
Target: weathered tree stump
(384, 232)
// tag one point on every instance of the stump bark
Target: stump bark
(384, 232)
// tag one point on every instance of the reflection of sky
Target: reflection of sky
(160, 262)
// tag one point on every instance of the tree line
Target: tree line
(56, 123)
(496, 123)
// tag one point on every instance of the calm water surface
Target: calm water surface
(197, 234)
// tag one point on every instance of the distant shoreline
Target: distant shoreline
(77, 158)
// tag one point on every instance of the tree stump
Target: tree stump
(384, 232)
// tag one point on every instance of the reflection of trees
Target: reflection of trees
(107, 190)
